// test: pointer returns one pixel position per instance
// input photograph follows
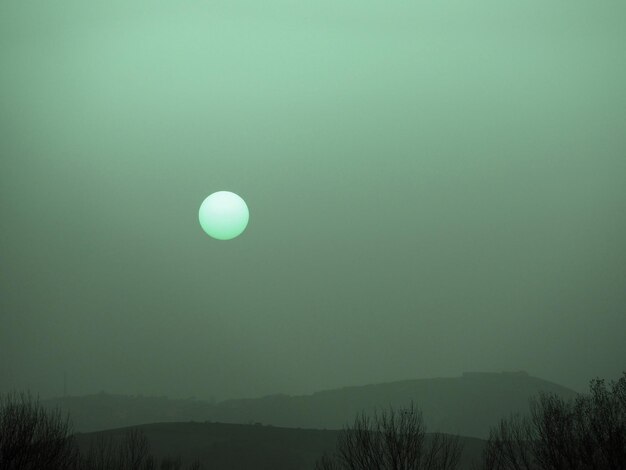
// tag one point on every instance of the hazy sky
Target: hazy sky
(434, 187)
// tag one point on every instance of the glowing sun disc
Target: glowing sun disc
(223, 215)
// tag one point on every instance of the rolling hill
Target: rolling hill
(238, 446)
(466, 405)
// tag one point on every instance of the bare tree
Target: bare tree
(603, 416)
(134, 451)
(32, 437)
(35, 438)
(131, 452)
(509, 446)
(102, 454)
(587, 433)
(195, 465)
(171, 463)
(392, 440)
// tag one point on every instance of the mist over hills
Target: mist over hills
(466, 405)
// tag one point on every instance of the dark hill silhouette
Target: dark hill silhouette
(239, 446)
(466, 405)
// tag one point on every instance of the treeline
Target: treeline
(587, 433)
(34, 438)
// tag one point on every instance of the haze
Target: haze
(433, 188)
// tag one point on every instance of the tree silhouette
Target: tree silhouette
(132, 452)
(33, 438)
(587, 433)
(392, 440)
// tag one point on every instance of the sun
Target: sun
(224, 215)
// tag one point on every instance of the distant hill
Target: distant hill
(106, 411)
(466, 405)
(237, 446)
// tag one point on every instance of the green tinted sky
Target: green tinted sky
(433, 187)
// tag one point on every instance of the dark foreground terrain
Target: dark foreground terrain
(221, 446)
